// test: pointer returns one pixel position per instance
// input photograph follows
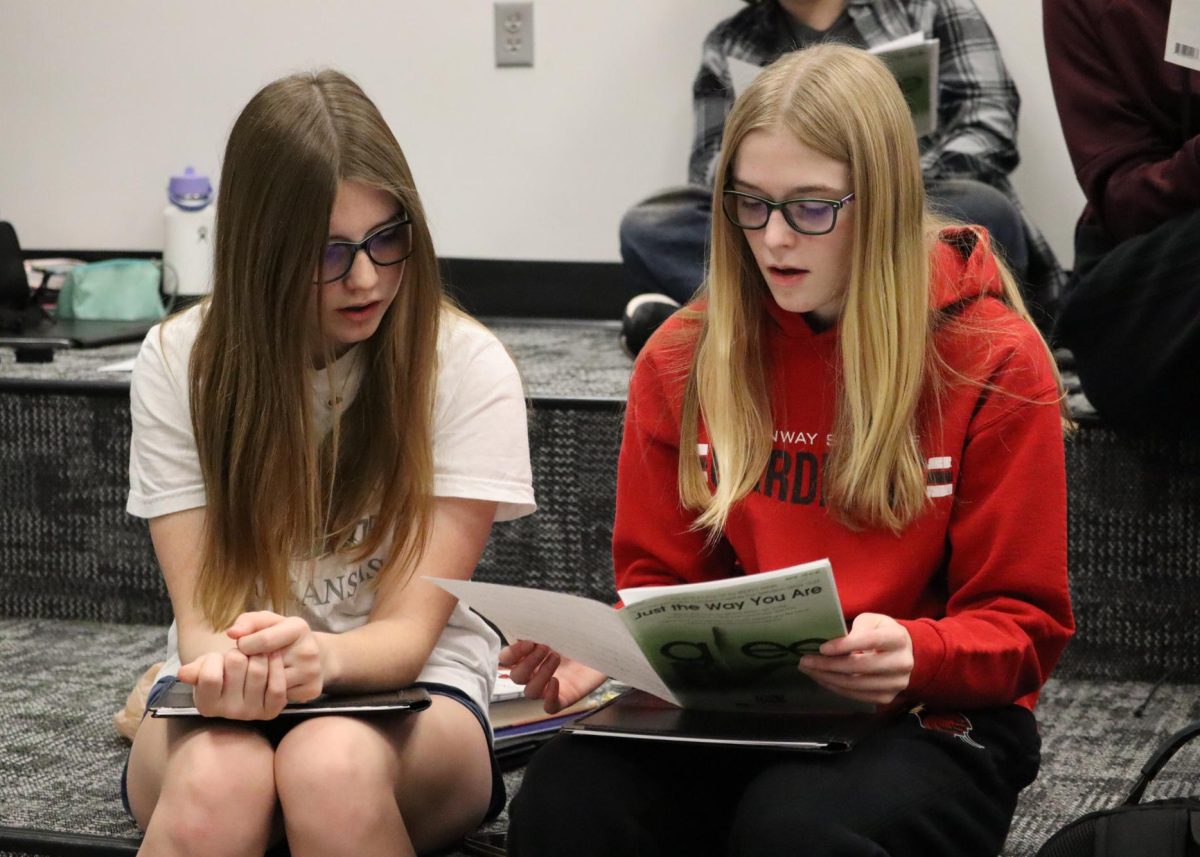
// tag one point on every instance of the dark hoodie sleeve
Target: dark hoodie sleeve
(1121, 107)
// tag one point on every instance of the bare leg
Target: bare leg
(383, 785)
(198, 787)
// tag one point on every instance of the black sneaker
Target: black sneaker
(644, 314)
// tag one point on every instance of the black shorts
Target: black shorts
(275, 730)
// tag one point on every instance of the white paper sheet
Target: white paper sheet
(121, 366)
(578, 628)
(1183, 34)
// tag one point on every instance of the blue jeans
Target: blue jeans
(970, 201)
(664, 239)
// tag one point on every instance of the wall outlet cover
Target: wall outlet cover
(514, 34)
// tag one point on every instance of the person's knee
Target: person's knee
(663, 241)
(220, 788)
(542, 791)
(766, 825)
(333, 768)
(675, 215)
(558, 810)
(972, 201)
(661, 218)
(636, 224)
(818, 841)
(789, 808)
(961, 198)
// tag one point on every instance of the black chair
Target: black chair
(14, 287)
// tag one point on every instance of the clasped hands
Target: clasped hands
(275, 660)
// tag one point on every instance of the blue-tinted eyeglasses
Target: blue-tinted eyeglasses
(390, 244)
(806, 216)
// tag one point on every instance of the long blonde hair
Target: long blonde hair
(276, 492)
(845, 104)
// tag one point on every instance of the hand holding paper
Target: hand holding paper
(561, 682)
(730, 644)
(872, 663)
(578, 628)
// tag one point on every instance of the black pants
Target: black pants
(910, 790)
(1131, 315)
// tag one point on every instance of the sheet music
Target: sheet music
(578, 628)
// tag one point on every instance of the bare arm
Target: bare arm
(389, 650)
(177, 539)
(227, 683)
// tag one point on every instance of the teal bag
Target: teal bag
(116, 290)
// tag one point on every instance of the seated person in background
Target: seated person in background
(879, 363)
(308, 444)
(1131, 312)
(965, 161)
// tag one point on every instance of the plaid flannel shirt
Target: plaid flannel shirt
(977, 100)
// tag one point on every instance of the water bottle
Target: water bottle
(188, 244)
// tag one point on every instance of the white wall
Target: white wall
(1045, 179)
(101, 101)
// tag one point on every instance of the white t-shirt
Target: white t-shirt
(480, 451)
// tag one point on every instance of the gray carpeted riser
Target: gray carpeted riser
(71, 552)
(1134, 555)
(60, 758)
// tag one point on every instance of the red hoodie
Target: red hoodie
(979, 579)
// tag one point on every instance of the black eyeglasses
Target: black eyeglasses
(806, 216)
(390, 244)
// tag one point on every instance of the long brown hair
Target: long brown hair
(276, 492)
(845, 104)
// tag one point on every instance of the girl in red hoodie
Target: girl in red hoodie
(859, 381)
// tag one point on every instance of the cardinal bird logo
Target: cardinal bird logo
(956, 724)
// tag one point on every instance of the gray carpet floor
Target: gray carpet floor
(61, 681)
(60, 757)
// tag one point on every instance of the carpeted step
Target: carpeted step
(71, 552)
(61, 759)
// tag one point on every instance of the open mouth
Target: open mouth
(359, 311)
(784, 272)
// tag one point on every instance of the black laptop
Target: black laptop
(25, 324)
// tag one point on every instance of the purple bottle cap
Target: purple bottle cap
(189, 191)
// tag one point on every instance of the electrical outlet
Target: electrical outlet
(514, 34)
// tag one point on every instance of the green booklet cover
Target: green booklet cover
(912, 59)
(734, 644)
(730, 645)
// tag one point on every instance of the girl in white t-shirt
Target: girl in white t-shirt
(309, 443)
